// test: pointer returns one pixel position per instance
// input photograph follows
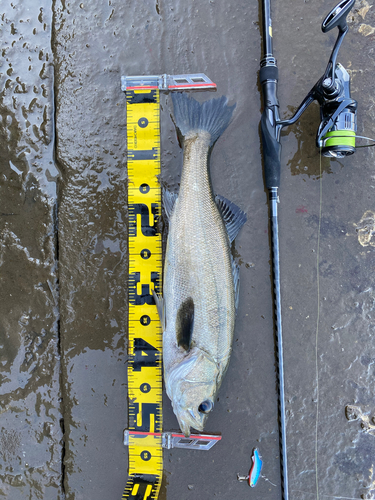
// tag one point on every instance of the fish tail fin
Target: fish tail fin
(212, 116)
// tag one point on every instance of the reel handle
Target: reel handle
(337, 16)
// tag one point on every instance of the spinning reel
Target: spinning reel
(338, 111)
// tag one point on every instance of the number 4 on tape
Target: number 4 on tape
(144, 437)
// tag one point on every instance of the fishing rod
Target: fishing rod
(335, 138)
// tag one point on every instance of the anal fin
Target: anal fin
(236, 281)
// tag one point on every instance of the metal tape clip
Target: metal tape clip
(166, 83)
(171, 440)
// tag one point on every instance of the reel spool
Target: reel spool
(339, 143)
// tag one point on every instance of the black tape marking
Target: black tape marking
(145, 297)
(145, 253)
(145, 354)
(144, 188)
(143, 210)
(145, 320)
(144, 480)
(148, 409)
(133, 98)
(143, 122)
(145, 388)
(143, 154)
(145, 455)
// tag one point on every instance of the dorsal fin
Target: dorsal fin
(234, 218)
(185, 323)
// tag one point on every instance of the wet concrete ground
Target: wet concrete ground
(63, 260)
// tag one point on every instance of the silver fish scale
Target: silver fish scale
(198, 262)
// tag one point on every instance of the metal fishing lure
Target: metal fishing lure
(255, 469)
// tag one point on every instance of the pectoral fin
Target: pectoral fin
(234, 218)
(161, 308)
(169, 200)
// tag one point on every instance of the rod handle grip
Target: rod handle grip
(271, 149)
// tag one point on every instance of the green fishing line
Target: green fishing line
(340, 138)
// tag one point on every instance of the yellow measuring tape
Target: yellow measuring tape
(145, 274)
(144, 435)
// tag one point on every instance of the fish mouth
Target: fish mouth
(189, 419)
(185, 428)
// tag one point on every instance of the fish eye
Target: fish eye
(206, 407)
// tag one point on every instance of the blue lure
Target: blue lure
(256, 468)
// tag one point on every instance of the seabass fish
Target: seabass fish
(201, 279)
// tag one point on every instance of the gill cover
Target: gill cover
(192, 386)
